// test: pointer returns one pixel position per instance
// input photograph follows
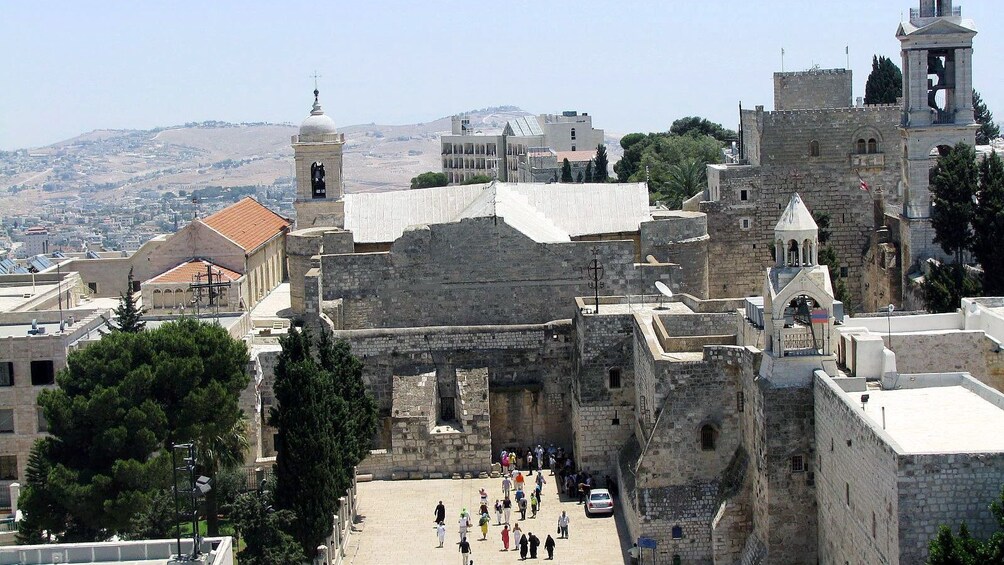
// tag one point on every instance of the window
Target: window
(43, 424)
(93, 287)
(8, 467)
(573, 148)
(573, 136)
(847, 493)
(797, 464)
(744, 194)
(6, 374)
(861, 147)
(708, 437)
(614, 378)
(7, 421)
(677, 532)
(42, 373)
(677, 560)
(744, 223)
(740, 401)
(136, 285)
(843, 272)
(874, 525)
(813, 148)
(872, 146)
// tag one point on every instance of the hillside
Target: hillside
(111, 165)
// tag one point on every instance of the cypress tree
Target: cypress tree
(589, 172)
(566, 171)
(885, 82)
(128, 315)
(954, 182)
(988, 224)
(988, 129)
(600, 171)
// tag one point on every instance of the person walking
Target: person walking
(484, 497)
(498, 512)
(534, 544)
(507, 509)
(440, 513)
(522, 508)
(506, 485)
(441, 533)
(549, 546)
(462, 525)
(519, 480)
(517, 534)
(541, 481)
(540, 457)
(524, 545)
(563, 524)
(483, 522)
(529, 462)
(505, 537)
(533, 504)
(465, 551)
(634, 553)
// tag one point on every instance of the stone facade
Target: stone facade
(812, 89)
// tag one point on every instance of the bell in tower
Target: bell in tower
(317, 150)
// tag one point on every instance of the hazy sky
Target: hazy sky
(75, 66)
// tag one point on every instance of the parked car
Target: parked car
(599, 502)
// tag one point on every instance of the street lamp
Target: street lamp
(888, 318)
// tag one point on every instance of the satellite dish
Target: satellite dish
(663, 289)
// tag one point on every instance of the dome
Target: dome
(317, 123)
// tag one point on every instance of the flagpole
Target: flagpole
(782, 59)
(847, 51)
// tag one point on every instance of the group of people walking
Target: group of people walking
(515, 487)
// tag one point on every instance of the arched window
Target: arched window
(793, 253)
(813, 148)
(614, 377)
(573, 134)
(861, 146)
(677, 560)
(709, 436)
(872, 145)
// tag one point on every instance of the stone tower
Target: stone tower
(317, 151)
(937, 49)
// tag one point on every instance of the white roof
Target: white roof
(544, 212)
(795, 219)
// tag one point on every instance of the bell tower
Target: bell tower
(317, 151)
(937, 50)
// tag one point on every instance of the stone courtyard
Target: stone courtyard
(396, 525)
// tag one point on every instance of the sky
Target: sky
(71, 67)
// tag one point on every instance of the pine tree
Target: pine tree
(954, 183)
(566, 171)
(988, 224)
(600, 173)
(589, 172)
(988, 129)
(885, 82)
(128, 315)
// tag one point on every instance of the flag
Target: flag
(864, 185)
(819, 316)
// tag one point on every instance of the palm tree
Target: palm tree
(216, 453)
(683, 180)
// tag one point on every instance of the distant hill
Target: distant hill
(106, 165)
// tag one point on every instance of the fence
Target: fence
(334, 551)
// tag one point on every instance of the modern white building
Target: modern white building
(467, 154)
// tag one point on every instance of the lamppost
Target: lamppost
(197, 486)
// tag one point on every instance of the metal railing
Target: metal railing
(915, 13)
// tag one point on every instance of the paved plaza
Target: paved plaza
(396, 526)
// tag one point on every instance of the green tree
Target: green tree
(988, 224)
(121, 404)
(684, 180)
(885, 82)
(954, 183)
(128, 315)
(477, 179)
(589, 172)
(946, 284)
(429, 180)
(217, 454)
(658, 158)
(700, 126)
(633, 145)
(264, 531)
(988, 129)
(578, 177)
(566, 171)
(600, 173)
(964, 549)
(828, 256)
(156, 521)
(346, 378)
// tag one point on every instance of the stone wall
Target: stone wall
(816, 88)
(681, 238)
(936, 489)
(950, 352)
(476, 271)
(853, 458)
(828, 183)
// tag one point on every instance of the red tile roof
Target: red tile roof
(247, 223)
(185, 272)
(576, 156)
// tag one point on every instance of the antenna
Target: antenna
(664, 291)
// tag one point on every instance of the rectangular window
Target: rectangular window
(93, 287)
(6, 421)
(743, 195)
(797, 464)
(43, 424)
(615, 378)
(42, 373)
(6, 373)
(136, 285)
(843, 272)
(847, 493)
(8, 467)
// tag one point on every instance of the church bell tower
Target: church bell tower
(937, 49)
(317, 151)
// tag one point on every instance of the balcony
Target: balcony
(867, 160)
